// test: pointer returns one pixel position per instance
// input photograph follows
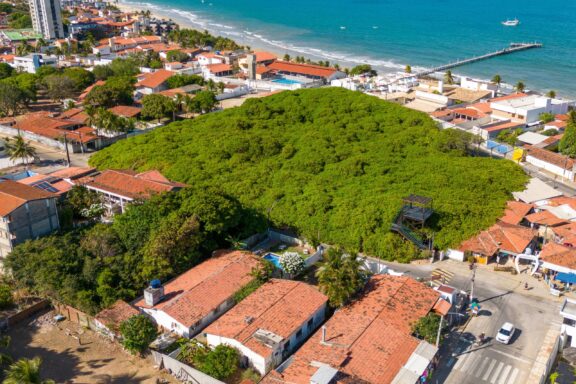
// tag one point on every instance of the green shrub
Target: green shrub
(137, 333)
(6, 298)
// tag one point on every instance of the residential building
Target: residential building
(502, 239)
(313, 72)
(267, 326)
(193, 300)
(568, 329)
(47, 18)
(558, 258)
(25, 213)
(121, 187)
(478, 85)
(526, 109)
(32, 62)
(155, 82)
(369, 341)
(552, 162)
(57, 182)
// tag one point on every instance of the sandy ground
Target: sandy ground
(94, 360)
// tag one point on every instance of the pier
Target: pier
(513, 47)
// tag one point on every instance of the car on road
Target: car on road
(505, 333)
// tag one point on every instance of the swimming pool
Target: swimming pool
(286, 81)
(275, 259)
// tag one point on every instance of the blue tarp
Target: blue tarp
(569, 278)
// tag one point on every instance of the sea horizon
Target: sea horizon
(390, 34)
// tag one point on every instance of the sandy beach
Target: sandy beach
(255, 44)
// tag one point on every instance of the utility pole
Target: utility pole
(439, 331)
(67, 152)
(472, 281)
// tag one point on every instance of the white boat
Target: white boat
(511, 23)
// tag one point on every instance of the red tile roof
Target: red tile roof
(265, 56)
(279, 306)
(370, 339)
(545, 218)
(482, 107)
(550, 157)
(567, 233)
(219, 68)
(468, 112)
(515, 212)
(130, 185)
(72, 172)
(88, 89)
(156, 79)
(194, 294)
(114, 315)
(302, 69)
(500, 237)
(14, 194)
(559, 255)
(503, 126)
(55, 128)
(508, 97)
(125, 110)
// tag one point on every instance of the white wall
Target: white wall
(255, 360)
(567, 174)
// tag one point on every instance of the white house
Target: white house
(267, 326)
(568, 313)
(193, 300)
(30, 63)
(208, 58)
(527, 108)
(552, 162)
(478, 85)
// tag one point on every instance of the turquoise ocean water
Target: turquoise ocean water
(392, 33)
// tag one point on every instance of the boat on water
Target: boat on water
(511, 23)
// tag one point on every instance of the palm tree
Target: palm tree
(448, 78)
(497, 79)
(221, 87)
(92, 118)
(340, 277)
(551, 94)
(25, 371)
(17, 148)
(520, 87)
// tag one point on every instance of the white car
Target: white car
(505, 333)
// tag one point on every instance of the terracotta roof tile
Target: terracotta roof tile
(125, 183)
(557, 159)
(114, 315)
(500, 237)
(155, 79)
(559, 255)
(125, 110)
(279, 306)
(194, 294)
(14, 194)
(545, 218)
(369, 340)
(515, 212)
(219, 68)
(302, 69)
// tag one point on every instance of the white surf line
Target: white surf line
(512, 356)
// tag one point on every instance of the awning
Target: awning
(569, 278)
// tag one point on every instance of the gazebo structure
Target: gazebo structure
(412, 217)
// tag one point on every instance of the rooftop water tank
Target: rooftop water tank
(155, 283)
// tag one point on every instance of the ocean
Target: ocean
(389, 34)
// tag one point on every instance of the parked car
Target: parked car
(506, 333)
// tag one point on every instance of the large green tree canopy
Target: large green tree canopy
(333, 164)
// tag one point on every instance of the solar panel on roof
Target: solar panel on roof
(45, 186)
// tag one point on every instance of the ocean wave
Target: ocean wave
(256, 38)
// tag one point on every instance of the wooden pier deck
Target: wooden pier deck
(513, 47)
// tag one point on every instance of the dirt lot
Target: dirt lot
(93, 360)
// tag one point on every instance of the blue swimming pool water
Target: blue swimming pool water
(275, 259)
(286, 81)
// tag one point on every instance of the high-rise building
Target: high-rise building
(47, 18)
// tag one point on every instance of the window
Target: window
(569, 322)
(299, 333)
(310, 324)
(287, 345)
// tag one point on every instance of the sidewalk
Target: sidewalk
(485, 274)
